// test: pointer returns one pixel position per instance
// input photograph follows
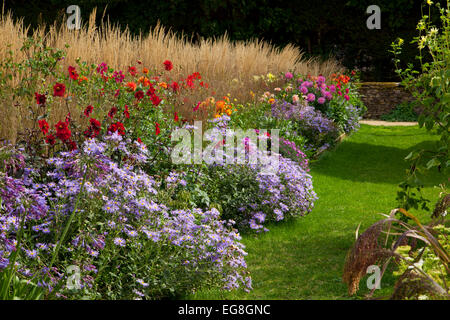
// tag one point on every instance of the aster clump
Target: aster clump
(122, 224)
(271, 189)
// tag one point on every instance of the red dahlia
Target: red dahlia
(72, 145)
(168, 65)
(157, 129)
(175, 86)
(40, 98)
(139, 94)
(126, 113)
(59, 89)
(132, 71)
(73, 73)
(43, 125)
(96, 126)
(63, 131)
(50, 139)
(112, 112)
(155, 100)
(88, 110)
(118, 126)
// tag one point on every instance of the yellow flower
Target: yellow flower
(270, 77)
(271, 100)
(429, 2)
(422, 42)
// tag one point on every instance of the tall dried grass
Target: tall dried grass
(227, 66)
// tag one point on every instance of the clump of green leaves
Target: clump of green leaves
(430, 85)
(402, 112)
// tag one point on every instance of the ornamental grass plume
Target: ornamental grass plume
(218, 60)
(365, 252)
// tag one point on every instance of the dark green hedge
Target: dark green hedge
(336, 27)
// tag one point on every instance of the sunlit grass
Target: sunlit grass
(304, 259)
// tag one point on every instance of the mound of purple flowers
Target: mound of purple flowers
(310, 123)
(120, 215)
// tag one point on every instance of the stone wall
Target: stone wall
(381, 97)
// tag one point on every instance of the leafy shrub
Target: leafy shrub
(402, 112)
(430, 86)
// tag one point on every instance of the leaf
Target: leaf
(433, 163)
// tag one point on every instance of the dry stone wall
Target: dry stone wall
(381, 97)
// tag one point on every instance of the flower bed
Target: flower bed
(94, 205)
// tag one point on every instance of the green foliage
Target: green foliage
(402, 112)
(430, 85)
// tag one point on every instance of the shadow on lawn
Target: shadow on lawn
(365, 162)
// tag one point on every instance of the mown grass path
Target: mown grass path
(304, 258)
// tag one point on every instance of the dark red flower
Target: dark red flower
(73, 73)
(59, 89)
(155, 100)
(157, 129)
(72, 145)
(95, 126)
(168, 65)
(118, 126)
(112, 112)
(150, 91)
(88, 110)
(139, 94)
(132, 71)
(175, 87)
(50, 139)
(88, 133)
(63, 131)
(139, 140)
(175, 116)
(43, 125)
(126, 113)
(40, 98)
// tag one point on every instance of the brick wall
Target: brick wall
(381, 97)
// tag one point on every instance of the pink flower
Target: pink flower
(311, 97)
(295, 98)
(304, 90)
(347, 97)
(321, 100)
(288, 75)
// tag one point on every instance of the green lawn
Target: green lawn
(304, 258)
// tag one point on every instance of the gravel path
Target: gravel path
(387, 123)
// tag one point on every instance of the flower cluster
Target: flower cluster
(120, 212)
(287, 192)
